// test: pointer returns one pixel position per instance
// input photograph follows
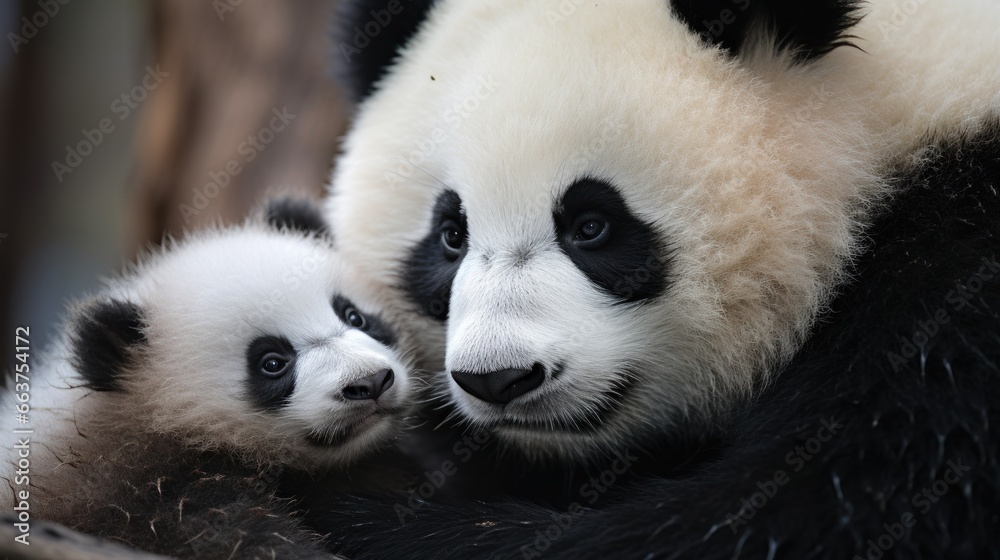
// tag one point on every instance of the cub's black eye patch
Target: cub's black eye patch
(618, 251)
(270, 371)
(432, 264)
(369, 323)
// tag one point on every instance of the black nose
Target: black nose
(500, 387)
(370, 387)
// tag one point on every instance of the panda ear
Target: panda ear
(807, 29)
(298, 214)
(369, 36)
(106, 334)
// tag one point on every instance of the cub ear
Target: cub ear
(806, 29)
(369, 35)
(298, 214)
(105, 336)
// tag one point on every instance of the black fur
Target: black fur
(370, 34)
(266, 391)
(808, 29)
(160, 496)
(298, 214)
(874, 435)
(51, 540)
(629, 265)
(106, 334)
(374, 326)
(430, 270)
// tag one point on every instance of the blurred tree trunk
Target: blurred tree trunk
(209, 145)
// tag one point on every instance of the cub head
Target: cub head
(618, 217)
(253, 340)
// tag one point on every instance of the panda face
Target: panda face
(614, 227)
(258, 341)
(336, 387)
(558, 307)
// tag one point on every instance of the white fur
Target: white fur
(757, 172)
(203, 301)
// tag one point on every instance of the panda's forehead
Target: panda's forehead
(514, 163)
(515, 190)
(249, 281)
(573, 96)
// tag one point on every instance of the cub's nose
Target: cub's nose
(370, 387)
(501, 386)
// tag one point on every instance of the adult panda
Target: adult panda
(635, 217)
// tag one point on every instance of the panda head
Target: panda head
(618, 216)
(253, 340)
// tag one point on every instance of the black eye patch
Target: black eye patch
(270, 371)
(433, 263)
(369, 323)
(619, 252)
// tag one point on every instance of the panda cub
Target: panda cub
(182, 392)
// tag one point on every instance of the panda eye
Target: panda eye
(355, 318)
(591, 231)
(273, 365)
(452, 239)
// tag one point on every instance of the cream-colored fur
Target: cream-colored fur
(759, 173)
(203, 301)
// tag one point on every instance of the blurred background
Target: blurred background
(125, 120)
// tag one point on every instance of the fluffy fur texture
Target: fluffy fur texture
(761, 156)
(756, 172)
(186, 388)
(877, 436)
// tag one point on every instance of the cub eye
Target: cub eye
(354, 318)
(452, 239)
(591, 231)
(273, 365)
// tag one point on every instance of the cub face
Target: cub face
(250, 339)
